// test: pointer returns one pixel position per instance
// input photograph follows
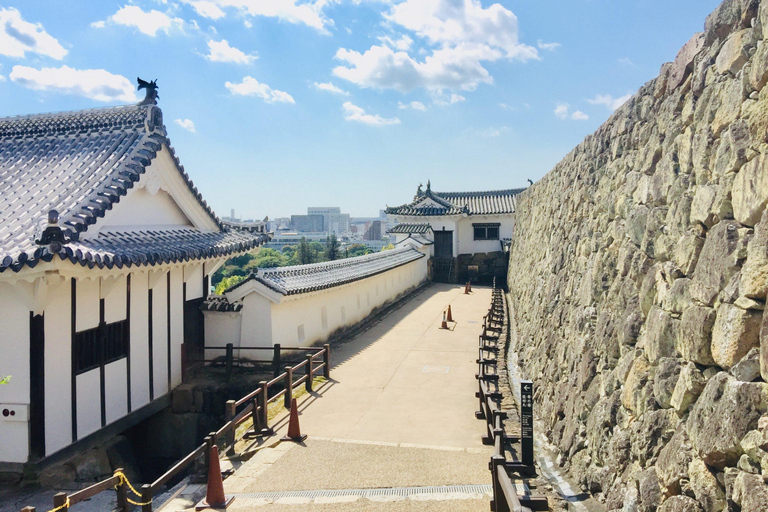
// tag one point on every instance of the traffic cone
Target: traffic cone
(444, 324)
(466, 288)
(450, 317)
(294, 432)
(214, 495)
(469, 285)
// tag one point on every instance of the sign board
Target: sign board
(526, 421)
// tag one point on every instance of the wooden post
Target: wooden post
(308, 383)
(146, 498)
(230, 356)
(276, 360)
(327, 361)
(264, 423)
(499, 503)
(59, 500)
(255, 416)
(288, 387)
(229, 414)
(122, 494)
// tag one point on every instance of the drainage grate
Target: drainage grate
(403, 492)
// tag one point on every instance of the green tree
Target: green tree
(268, 258)
(332, 247)
(242, 260)
(304, 253)
(387, 247)
(357, 250)
(227, 283)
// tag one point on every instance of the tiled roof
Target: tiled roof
(77, 163)
(220, 303)
(405, 227)
(319, 276)
(458, 203)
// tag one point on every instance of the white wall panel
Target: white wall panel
(58, 369)
(114, 301)
(116, 390)
(160, 337)
(87, 304)
(193, 276)
(139, 347)
(14, 361)
(88, 403)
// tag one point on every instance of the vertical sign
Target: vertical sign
(526, 421)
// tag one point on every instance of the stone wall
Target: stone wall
(489, 265)
(638, 277)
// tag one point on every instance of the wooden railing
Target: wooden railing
(251, 406)
(504, 472)
(229, 360)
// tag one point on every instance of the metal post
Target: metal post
(288, 387)
(276, 360)
(229, 414)
(60, 500)
(230, 356)
(122, 494)
(327, 361)
(146, 498)
(310, 376)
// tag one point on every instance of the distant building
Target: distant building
(374, 231)
(307, 223)
(280, 240)
(333, 220)
(469, 230)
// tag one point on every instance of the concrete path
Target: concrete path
(396, 421)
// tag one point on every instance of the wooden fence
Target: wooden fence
(253, 405)
(505, 474)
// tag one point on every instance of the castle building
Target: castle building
(469, 230)
(106, 248)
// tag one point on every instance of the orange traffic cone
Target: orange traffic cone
(469, 285)
(466, 288)
(214, 495)
(294, 432)
(450, 317)
(444, 325)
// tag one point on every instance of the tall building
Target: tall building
(333, 220)
(374, 231)
(307, 223)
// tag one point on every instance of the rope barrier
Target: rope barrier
(124, 480)
(60, 507)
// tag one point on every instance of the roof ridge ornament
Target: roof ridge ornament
(151, 91)
(52, 235)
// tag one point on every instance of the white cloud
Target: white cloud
(403, 44)
(561, 110)
(187, 124)
(96, 84)
(252, 87)
(149, 23)
(439, 97)
(310, 14)
(355, 113)
(609, 101)
(17, 37)
(547, 46)
(463, 35)
(330, 87)
(415, 105)
(579, 116)
(220, 51)
(625, 61)
(99, 24)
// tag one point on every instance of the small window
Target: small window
(100, 346)
(486, 231)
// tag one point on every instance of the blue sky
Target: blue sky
(276, 105)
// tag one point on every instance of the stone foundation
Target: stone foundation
(489, 265)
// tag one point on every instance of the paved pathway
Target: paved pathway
(394, 429)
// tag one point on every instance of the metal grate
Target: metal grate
(403, 492)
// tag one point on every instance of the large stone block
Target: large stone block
(748, 369)
(718, 261)
(750, 191)
(754, 273)
(688, 387)
(764, 346)
(734, 53)
(724, 413)
(636, 393)
(680, 504)
(660, 334)
(683, 64)
(695, 334)
(706, 487)
(735, 332)
(750, 492)
(686, 253)
(673, 461)
(666, 375)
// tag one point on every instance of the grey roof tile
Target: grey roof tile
(457, 203)
(220, 303)
(79, 163)
(412, 228)
(319, 276)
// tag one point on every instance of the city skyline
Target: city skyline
(355, 103)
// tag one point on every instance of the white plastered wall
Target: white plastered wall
(467, 242)
(58, 369)
(14, 361)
